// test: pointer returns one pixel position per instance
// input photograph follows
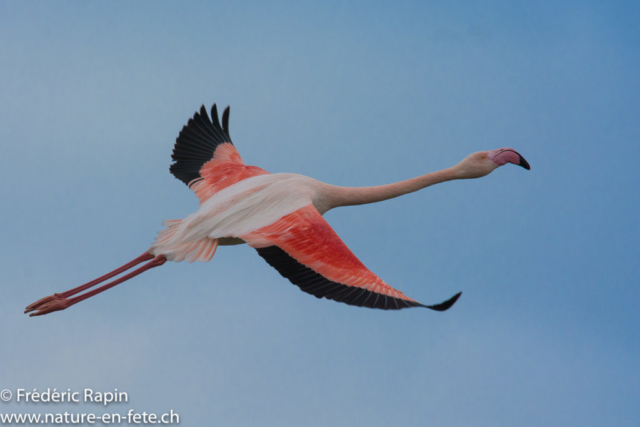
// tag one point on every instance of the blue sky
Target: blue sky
(354, 94)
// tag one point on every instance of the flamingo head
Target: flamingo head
(482, 163)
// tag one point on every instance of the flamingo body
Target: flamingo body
(237, 210)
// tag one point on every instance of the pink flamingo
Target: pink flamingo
(280, 215)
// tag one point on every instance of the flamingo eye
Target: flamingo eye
(484, 157)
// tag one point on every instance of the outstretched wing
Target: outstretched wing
(205, 158)
(303, 247)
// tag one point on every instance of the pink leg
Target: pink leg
(61, 301)
(144, 257)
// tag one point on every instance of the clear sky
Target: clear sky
(351, 93)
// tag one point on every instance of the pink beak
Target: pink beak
(503, 156)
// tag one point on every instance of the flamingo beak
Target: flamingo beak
(502, 156)
(523, 162)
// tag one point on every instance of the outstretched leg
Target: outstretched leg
(61, 301)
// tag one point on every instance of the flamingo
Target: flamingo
(279, 215)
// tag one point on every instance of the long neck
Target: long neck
(349, 196)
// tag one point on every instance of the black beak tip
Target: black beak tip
(524, 163)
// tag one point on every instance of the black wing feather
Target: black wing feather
(197, 142)
(319, 286)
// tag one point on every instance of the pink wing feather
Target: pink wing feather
(224, 169)
(304, 248)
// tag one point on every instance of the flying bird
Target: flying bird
(279, 215)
